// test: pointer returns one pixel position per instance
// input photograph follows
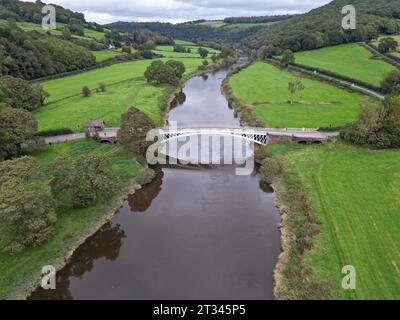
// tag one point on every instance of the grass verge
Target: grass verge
(331, 220)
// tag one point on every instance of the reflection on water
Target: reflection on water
(104, 245)
(141, 201)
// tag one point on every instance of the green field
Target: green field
(247, 25)
(125, 87)
(320, 105)
(212, 23)
(184, 43)
(168, 51)
(351, 60)
(17, 270)
(356, 195)
(105, 54)
(222, 24)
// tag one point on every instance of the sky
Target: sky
(176, 11)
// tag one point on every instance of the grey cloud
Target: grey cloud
(105, 11)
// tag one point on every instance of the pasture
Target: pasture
(265, 87)
(125, 86)
(359, 216)
(168, 52)
(105, 54)
(351, 60)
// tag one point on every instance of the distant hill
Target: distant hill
(231, 30)
(322, 26)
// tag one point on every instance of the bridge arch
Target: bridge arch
(260, 139)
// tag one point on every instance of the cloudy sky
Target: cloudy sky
(106, 11)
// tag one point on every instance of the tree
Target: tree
(102, 87)
(66, 33)
(27, 214)
(159, 73)
(267, 52)
(127, 49)
(63, 181)
(79, 183)
(205, 63)
(134, 128)
(391, 83)
(391, 121)
(387, 44)
(294, 86)
(154, 71)
(18, 93)
(77, 29)
(94, 179)
(203, 52)
(178, 48)
(214, 58)
(377, 127)
(287, 58)
(16, 127)
(178, 67)
(86, 92)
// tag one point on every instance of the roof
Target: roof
(94, 124)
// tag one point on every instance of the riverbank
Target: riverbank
(330, 221)
(298, 227)
(21, 273)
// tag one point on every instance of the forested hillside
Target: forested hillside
(32, 55)
(31, 12)
(203, 30)
(323, 26)
(320, 27)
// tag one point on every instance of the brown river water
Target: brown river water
(190, 234)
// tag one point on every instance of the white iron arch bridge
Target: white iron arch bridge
(256, 135)
(260, 136)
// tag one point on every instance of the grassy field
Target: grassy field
(320, 105)
(73, 112)
(213, 23)
(351, 60)
(168, 51)
(184, 43)
(222, 24)
(247, 25)
(125, 86)
(105, 54)
(62, 88)
(17, 270)
(356, 195)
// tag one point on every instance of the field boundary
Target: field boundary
(103, 64)
(334, 78)
(386, 57)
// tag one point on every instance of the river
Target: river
(190, 234)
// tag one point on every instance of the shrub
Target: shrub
(55, 132)
(86, 92)
(270, 169)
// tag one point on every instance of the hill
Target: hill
(322, 27)
(231, 30)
